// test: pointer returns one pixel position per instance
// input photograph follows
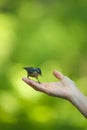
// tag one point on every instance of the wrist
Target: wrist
(79, 101)
(73, 94)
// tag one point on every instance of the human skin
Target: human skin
(65, 89)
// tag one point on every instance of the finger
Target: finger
(58, 75)
(35, 85)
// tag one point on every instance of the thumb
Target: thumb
(58, 74)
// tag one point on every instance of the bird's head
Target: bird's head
(38, 70)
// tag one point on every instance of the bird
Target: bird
(33, 72)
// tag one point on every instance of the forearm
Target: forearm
(79, 101)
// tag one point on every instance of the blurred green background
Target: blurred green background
(50, 34)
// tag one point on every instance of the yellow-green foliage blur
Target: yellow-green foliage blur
(50, 34)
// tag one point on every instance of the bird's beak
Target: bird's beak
(41, 75)
(24, 68)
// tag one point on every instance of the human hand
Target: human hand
(62, 89)
(66, 89)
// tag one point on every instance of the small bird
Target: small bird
(33, 72)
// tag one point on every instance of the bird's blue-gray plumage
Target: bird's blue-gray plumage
(33, 72)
